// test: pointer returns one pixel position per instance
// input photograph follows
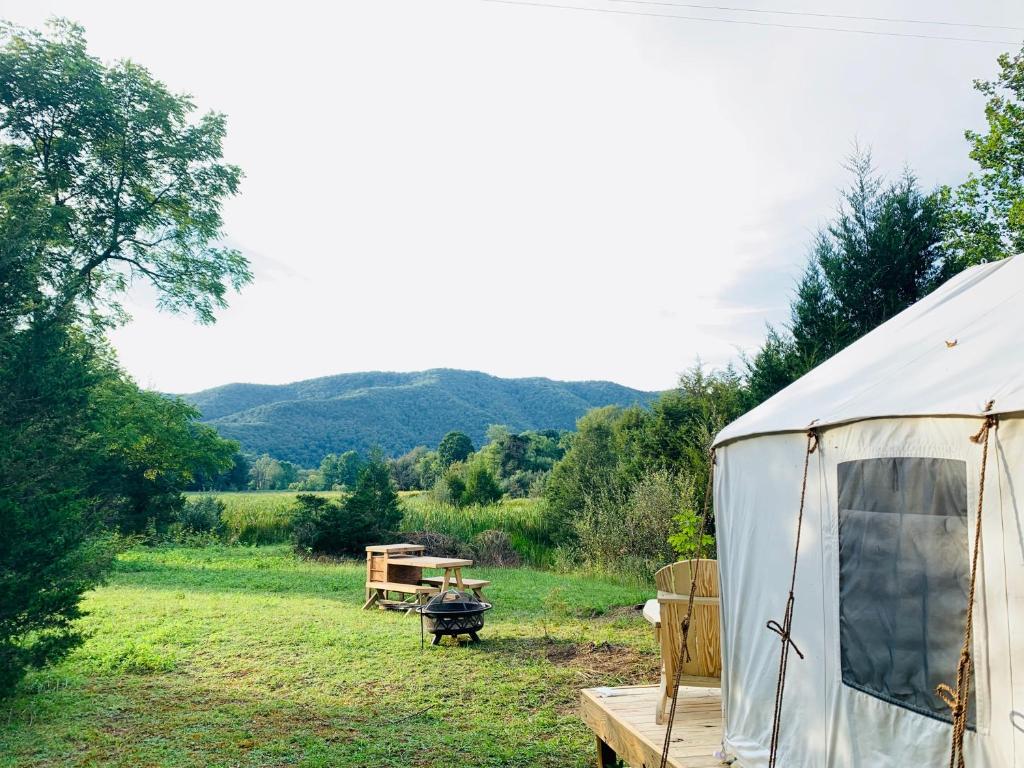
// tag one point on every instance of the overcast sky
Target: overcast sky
(529, 191)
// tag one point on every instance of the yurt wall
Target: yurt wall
(880, 591)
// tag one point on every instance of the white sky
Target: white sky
(528, 191)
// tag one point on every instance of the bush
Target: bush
(629, 533)
(481, 485)
(370, 515)
(202, 514)
(318, 525)
(494, 548)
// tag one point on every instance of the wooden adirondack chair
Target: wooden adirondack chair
(666, 614)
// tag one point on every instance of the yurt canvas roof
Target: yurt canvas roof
(950, 354)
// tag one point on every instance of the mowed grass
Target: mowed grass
(247, 656)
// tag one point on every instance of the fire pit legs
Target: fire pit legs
(436, 640)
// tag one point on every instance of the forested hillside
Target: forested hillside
(304, 421)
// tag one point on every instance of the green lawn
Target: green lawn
(240, 656)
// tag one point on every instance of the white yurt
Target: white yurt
(883, 570)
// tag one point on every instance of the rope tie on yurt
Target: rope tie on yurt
(784, 630)
(958, 698)
(684, 650)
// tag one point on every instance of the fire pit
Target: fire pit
(452, 613)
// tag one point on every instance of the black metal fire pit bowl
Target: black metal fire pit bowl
(452, 613)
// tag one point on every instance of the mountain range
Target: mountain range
(303, 421)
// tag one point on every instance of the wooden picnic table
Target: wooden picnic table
(399, 568)
(452, 567)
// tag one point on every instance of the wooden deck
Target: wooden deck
(624, 725)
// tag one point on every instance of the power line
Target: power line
(748, 22)
(885, 19)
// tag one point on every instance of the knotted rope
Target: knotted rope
(684, 650)
(784, 630)
(958, 699)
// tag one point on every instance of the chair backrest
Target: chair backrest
(704, 639)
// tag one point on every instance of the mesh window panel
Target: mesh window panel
(904, 575)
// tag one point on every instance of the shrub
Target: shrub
(481, 485)
(369, 516)
(524, 484)
(495, 548)
(202, 514)
(629, 533)
(450, 487)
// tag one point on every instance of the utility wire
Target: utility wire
(885, 19)
(748, 22)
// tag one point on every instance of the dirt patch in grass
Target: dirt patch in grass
(604, 661)
(619, 612)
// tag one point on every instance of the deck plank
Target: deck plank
(625, 721)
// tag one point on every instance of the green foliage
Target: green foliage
(465, 484)
(127, 185)
(305, 421)
(263, 517)
(341, 471)
(454, 447)
(234, 478)
(522, 461)
(370, 515)
(269, 474)
(51, 550)
(984, 217)
(481, 485)
(627, 530)
(105, 179)
(202, 514)
(405, 470)
(525, 521)
(151, 449)
(591, 465)
(883, 252)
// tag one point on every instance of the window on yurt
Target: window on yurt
(904, 573)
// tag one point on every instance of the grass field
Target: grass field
(264, 517)
(247, 656)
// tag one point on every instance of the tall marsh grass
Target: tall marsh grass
(265, 517)
(259, 517)
(524, 520)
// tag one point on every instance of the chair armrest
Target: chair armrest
(652, 612)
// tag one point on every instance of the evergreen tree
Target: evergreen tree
(883, 252)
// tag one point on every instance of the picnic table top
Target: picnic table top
(396, 548)
(428, 561)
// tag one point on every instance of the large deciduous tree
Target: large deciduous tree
(106, 177)
(985, 215)
(455, 446)
(124, 182)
